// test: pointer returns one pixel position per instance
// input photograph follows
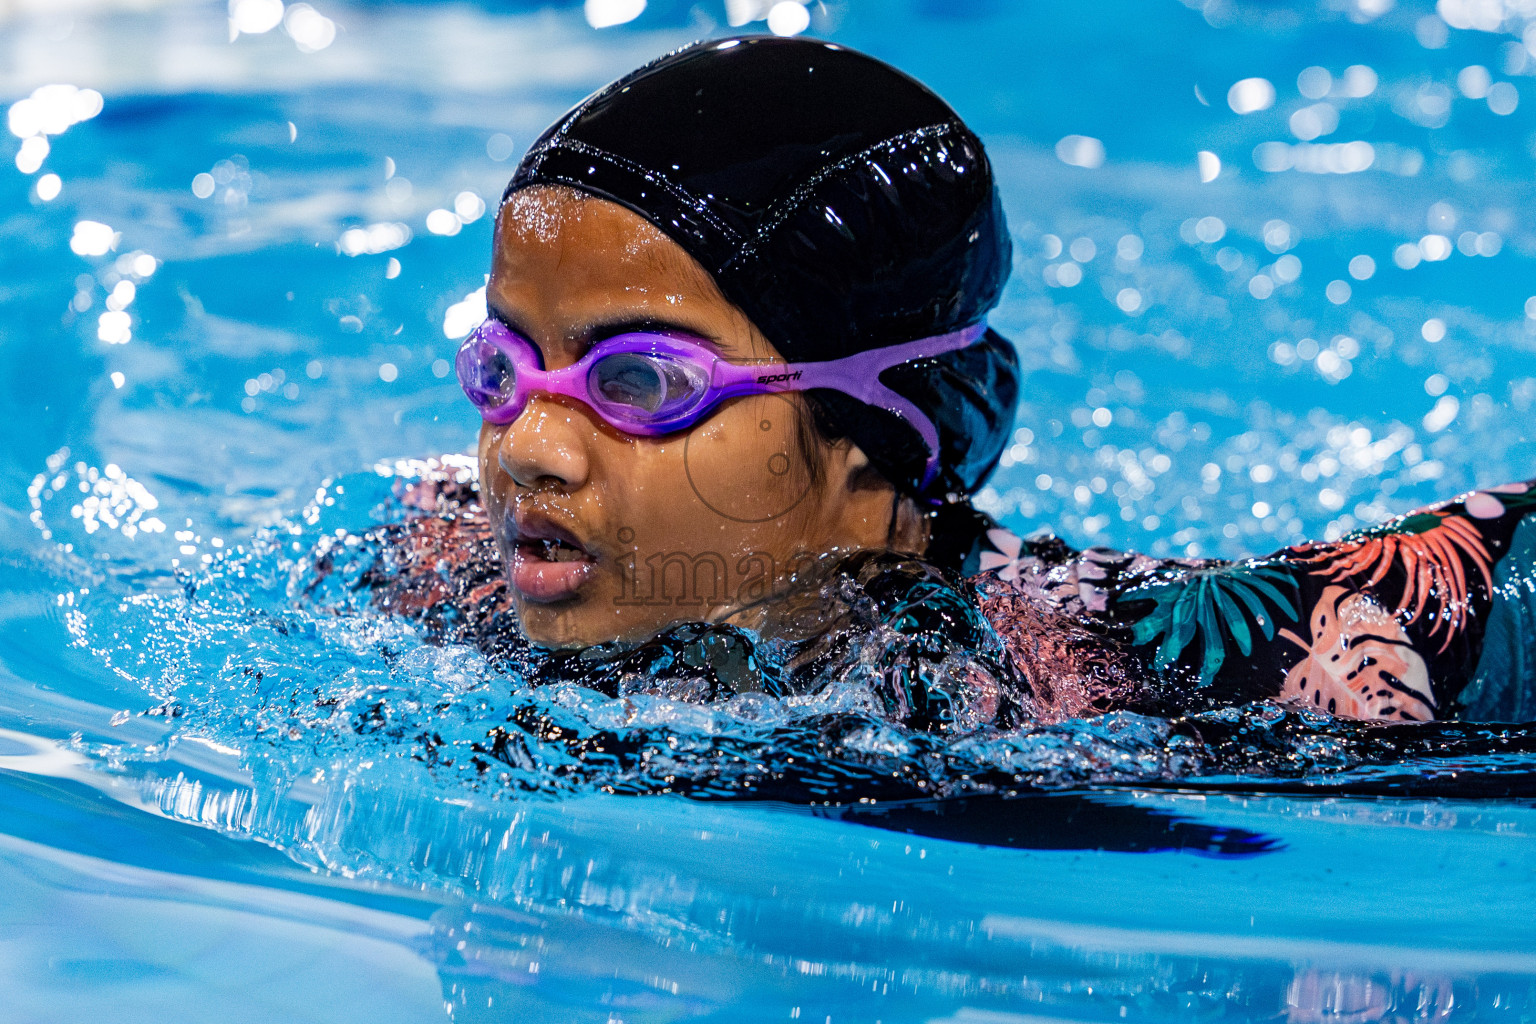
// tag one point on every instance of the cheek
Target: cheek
(640, 497)
(745, 463)
(492, 476)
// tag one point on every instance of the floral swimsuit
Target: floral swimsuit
(1428, 616)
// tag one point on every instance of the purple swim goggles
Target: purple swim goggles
(649, 384)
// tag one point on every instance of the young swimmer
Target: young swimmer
(737, 387)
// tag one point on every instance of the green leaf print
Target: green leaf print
(1210, 603)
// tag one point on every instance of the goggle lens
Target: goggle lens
(486, 373)
(641, 387)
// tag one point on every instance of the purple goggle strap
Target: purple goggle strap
(857, 376)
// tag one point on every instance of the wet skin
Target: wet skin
(607, 536)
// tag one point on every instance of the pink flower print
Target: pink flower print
(1006, 558)
(1070, 585)
(1028, 574)
(1091, 567)
(1482, 505)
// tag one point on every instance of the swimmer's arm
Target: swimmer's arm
(1398, 613)
(1386, 623)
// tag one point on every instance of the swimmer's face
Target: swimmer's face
(608, 536)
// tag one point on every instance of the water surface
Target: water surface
(228, 797)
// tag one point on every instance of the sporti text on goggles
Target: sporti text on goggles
(649, 384)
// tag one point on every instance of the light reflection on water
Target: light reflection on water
(233, 289)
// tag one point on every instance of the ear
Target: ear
(911, 528)
(852, 467)
(870, 513)
(847, 469)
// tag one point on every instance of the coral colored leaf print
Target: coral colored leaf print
(1359, 662)
(1215, 605)
(1433, 548)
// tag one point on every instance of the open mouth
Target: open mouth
(548, 563)
(552, 550)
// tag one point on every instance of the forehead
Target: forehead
(562, 239)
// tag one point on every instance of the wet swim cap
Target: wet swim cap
(839, 203)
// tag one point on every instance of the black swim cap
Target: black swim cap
(839, 203)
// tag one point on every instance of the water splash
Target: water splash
(272, 656)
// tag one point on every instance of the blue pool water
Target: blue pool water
(229, 792)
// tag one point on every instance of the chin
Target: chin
(565, 624)
(576, 623)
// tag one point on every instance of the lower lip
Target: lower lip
(544, 581)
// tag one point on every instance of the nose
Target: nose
(546, 446)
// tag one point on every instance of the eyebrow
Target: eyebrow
(602, 328)
(507, 320)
